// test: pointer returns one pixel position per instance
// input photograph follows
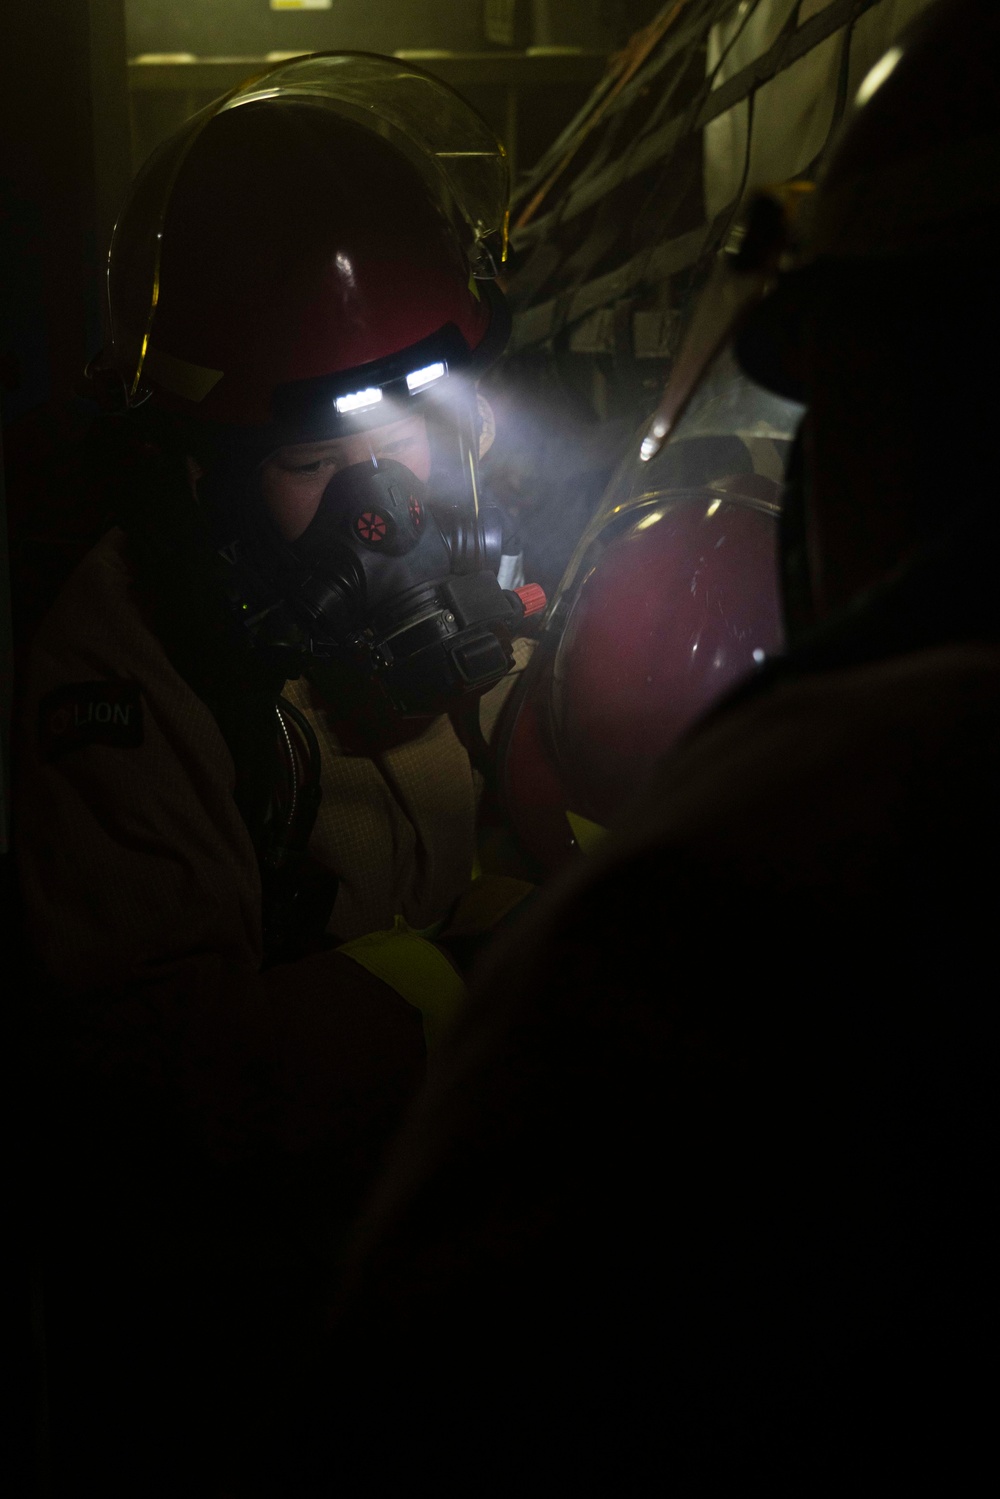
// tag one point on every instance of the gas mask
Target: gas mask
(393, 581)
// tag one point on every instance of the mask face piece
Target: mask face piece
(370, 545)
(387, 587)
(392, 582)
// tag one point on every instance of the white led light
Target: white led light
(358, 399)
(426, 376)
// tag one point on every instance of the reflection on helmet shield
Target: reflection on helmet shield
(727, 404)
(433, 126)
(730, 425)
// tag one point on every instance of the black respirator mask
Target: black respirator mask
(394, 580)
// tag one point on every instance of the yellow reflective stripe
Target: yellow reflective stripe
(589, 835)
(417, 970)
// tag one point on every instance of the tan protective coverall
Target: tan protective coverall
(140, 882)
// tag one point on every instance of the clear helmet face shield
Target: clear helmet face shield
(673, 595)
(713, 422)
(443, 135)
(733, 437)
(459, 160)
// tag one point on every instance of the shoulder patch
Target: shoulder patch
(90, 713)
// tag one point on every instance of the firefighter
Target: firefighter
(245, 793)
(696, 1199)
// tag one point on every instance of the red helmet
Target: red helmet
(324, 219)
(669, 601)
